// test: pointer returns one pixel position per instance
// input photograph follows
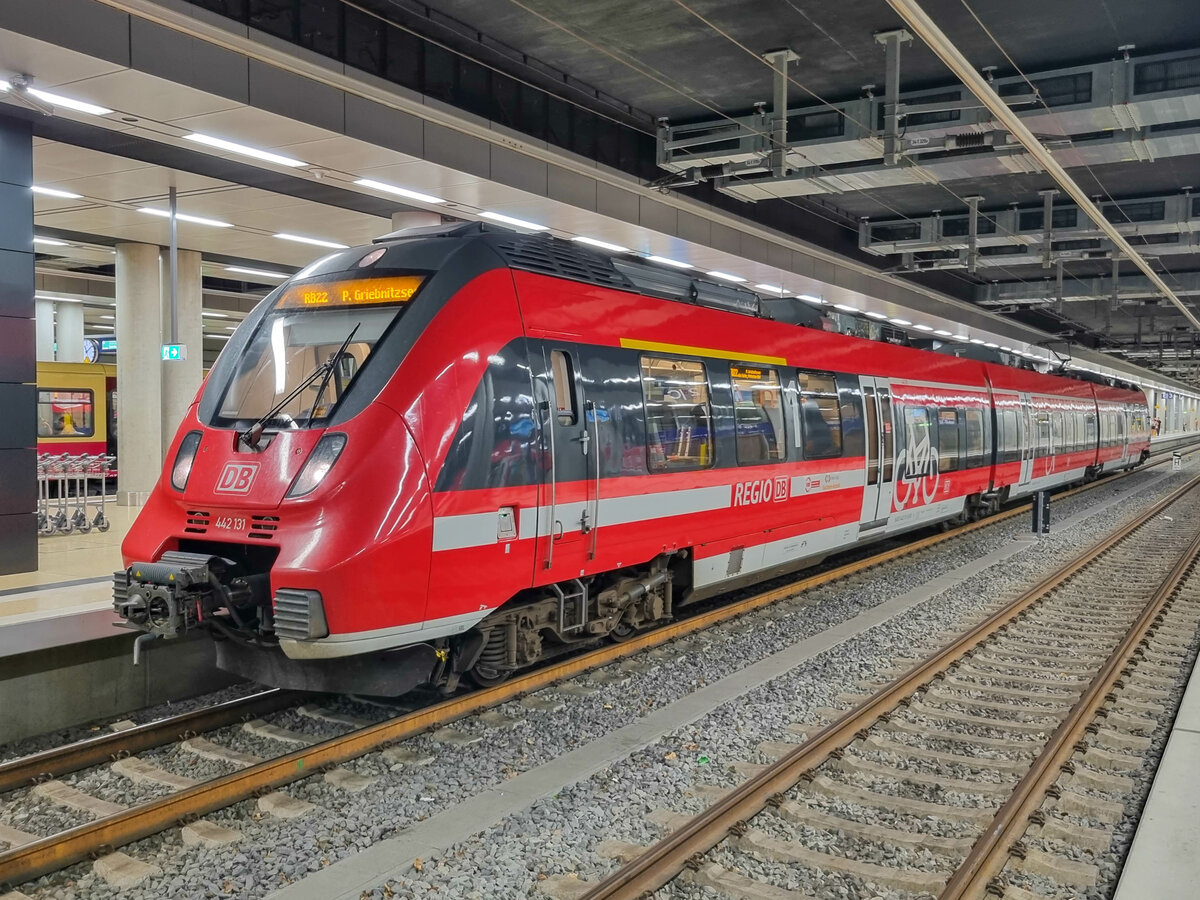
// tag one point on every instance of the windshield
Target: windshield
(304, 331)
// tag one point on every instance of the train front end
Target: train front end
(292, 520)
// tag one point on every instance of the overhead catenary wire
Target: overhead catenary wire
(841, 112)
(665, 81)
(940, 44)
(1055, 119)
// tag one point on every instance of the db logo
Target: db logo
(236, 478)
(781, 487)
(764, 491)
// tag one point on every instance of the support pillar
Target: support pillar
(181, 378)
(18, 368)
(139, 372)
(69, 331)
(45, 330)
(415, 219)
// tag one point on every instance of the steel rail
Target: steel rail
(990, 853)
(107, 747)
(663, 861)
(20, 864)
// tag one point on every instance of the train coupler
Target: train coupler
(167, 597)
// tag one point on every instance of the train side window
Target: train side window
(1008, 442)
(678, 414)
(1041, 430)
(64, 413)
(872, 412)
(948, 442)
(885, 413)
(1056, 431)
(821, 417)
(920, 441)
(974, 438)
(850, 404)
(564, 387)
(758, 414)
(1089, 424)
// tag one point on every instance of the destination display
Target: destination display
(359, 292)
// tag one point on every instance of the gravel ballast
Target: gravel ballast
(559, 835)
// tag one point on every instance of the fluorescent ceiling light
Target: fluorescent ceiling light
(942, 332)
(725, 276)
(234, 147)
(49, 242)
(844, 308)
(55, 192)
(669, 262)
(959, 337)
(183, 217)
(900, 321)
(231, 328)
(978, 341)
(603, 245)
(215, 315)
(398, 191)
(56, 299)
(923, 327)
(993, 346)
(811, 298)
(876, 315)
(261, 272)
(516, 223)
(69, 103)
(5, 86)
(218, 337)
(1006, 349)
(772, 289)
(316, 242)
(109, 318)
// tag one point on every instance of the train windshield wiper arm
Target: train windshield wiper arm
(329, 367)
(254, 432)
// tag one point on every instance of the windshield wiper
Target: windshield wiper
(329, 367)
(252, 434)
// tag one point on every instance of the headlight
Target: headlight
(184, 459)
(318, 464)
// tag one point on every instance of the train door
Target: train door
(1025, 418)
(877, 490)
(1122, 419)
(569, 505)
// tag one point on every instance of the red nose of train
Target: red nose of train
(310, 524)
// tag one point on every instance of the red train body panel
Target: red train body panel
(463, 452)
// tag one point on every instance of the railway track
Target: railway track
(173, 800)
(991, 768)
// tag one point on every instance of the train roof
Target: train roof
(547, 255)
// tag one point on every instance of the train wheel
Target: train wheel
(623, 632)
(487, 677)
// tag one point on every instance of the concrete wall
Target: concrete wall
(96, 681)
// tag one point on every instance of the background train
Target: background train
(76, 408)
(463, 450)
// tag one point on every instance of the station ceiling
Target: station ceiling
(689, 60)
(698, 60)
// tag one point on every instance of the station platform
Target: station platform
(1164, 861)
(63, 661)
(69, 598)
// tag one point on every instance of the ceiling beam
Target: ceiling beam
(939, 43)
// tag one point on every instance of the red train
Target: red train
(463, 450)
